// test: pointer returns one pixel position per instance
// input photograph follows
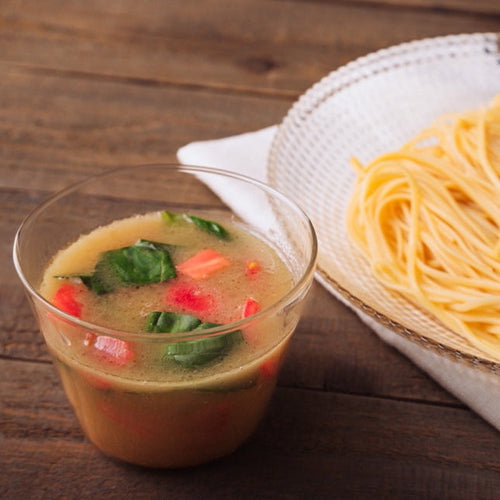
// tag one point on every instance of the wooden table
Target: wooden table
(85, 86)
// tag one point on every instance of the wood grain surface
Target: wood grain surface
(86, 86)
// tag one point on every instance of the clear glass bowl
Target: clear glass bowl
(145, 415)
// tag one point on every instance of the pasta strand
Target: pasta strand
(427, 219)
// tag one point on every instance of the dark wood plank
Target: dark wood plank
(57, 129)
(311, 443)
(483, 6)
(243, 45)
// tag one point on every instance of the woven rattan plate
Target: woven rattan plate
(370, 106)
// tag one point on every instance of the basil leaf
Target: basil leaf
(206, 225)
(191, 353)
(170, 217)
(196, 353)
(168, 322)
(210, 227)
(143, 263)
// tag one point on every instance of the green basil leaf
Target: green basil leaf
(169, 322)
(170, 217)
(191, 353)
(197, 353)
(208, 226)
(143, 263)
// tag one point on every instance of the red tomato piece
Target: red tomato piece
(203, 264)
(251, 332)
(190, 297)
(116, 351)
(251, 306)
(65, 299)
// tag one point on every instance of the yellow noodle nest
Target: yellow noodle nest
(427, 218)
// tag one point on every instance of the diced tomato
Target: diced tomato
(115, 351)
(65, 299)
(251, 333)
(203, 264)
(251, 306)
(190, 297)
(252, 268)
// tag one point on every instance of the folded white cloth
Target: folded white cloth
(247, 154)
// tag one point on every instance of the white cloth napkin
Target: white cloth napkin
(247, 154)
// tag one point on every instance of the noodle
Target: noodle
(427, 218)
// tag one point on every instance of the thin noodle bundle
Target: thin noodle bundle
(427, 218)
